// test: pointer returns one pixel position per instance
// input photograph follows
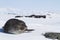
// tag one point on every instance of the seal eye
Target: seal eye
(22, 27)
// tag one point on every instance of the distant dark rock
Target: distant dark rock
(37, 16)
(30, 16)
(40, 16)
(18, 16)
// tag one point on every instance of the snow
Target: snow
(40, 26)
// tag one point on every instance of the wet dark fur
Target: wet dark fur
(52, 35)
(15, 24)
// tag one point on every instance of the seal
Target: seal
(15, 26)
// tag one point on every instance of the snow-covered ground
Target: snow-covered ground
(40, 26)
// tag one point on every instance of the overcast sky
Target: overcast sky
(31, 4)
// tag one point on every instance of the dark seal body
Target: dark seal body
(14, 26)
(52, 35)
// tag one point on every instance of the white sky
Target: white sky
(31, 4)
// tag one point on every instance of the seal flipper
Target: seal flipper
(29, 30)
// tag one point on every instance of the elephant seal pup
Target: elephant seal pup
(15, 26)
